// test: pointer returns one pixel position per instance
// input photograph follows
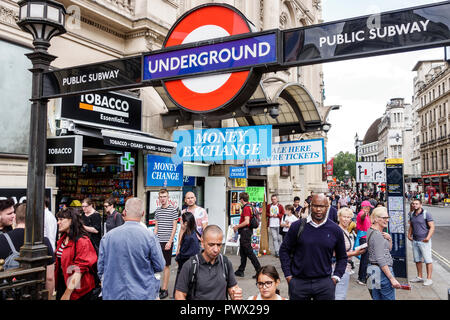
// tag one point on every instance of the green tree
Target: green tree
(344, 162)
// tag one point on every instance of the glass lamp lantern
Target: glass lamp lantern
(43, 19)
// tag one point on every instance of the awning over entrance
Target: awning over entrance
(296, 109)
(136, 141)
(288, 107)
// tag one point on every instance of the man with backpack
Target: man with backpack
(11, 242)
(421, 229)
(209, 275)
(247, 223)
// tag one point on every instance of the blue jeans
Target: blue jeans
(379, 283)
(342, 287)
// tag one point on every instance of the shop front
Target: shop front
(108, 124)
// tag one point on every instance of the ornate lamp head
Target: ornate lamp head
(43, 19)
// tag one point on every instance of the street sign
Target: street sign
(211, 39)
(370, 172)
(65, 151)
(106, 75)
(397, 31)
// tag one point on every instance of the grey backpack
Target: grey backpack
(10, 261)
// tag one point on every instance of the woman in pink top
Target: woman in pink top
(362, 225)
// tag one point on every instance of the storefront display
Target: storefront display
(97, 179)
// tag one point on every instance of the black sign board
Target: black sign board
(19, 195)
(396, 207)
(104, 110)
(65, 151)
(108, 75)
(129, 141)
(397, 31)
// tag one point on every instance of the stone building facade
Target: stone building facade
(432, 96)
(105, 30)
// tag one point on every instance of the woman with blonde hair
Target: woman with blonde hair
(345, 216)
(381, 279)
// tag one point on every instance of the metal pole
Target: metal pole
(34, 251)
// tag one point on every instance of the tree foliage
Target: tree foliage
(344, 162)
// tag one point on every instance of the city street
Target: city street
(441, 237)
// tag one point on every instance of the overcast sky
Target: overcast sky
(363, 86)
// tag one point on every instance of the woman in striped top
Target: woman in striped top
(76, 257)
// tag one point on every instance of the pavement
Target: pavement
(437, 291)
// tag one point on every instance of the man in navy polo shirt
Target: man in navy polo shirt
(421, 229)
(309, 272)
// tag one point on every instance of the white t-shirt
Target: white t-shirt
(289, 219)
(274, 221)
(50, 227)
(258, 297)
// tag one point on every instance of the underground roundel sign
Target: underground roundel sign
(210, 92)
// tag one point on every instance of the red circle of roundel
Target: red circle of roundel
(217, 15)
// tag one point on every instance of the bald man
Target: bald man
(129, 257)
(309, 272)
(200, 215)
(214, 278)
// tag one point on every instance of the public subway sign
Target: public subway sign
(110, 75)
(237, 143)
(211, 59)
(396, 31)
(224, 56)
(106, 109)
(291, 153)
(163, 172)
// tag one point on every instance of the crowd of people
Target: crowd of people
(316, 243)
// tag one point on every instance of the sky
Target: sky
(364, 86)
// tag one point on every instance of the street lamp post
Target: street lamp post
(43, 20)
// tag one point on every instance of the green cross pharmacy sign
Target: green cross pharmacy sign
(127, 161)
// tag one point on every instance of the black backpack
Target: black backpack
(193, 273)
(255, 219)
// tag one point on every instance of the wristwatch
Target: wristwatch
(336, 278)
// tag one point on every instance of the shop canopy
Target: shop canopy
(119, 139)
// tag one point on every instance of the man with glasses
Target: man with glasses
(306, 260)
(114, 218)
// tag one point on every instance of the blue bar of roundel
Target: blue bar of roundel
(270, 57)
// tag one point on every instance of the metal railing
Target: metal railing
(23, 284)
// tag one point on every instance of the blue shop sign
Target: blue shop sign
(219, 144)
(188, 181)
(163, 172)
(238, 172)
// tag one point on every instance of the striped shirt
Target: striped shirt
(165, 218)
(60, 250)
